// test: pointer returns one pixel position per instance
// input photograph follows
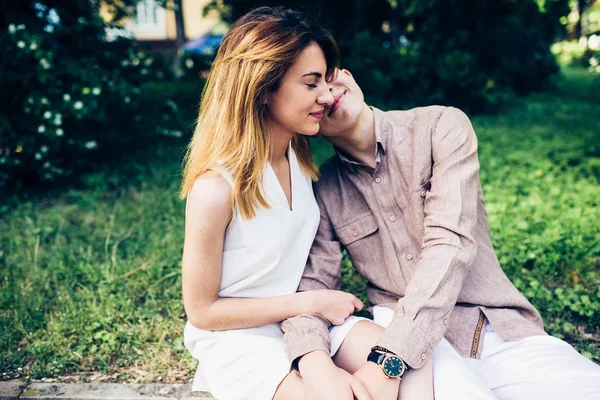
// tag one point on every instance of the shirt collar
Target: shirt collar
(381, 136)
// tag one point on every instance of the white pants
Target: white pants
(537, 367)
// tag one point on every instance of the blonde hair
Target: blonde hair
(231, 129)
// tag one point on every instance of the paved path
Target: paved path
(100, 391)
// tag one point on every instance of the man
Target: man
(402, 196)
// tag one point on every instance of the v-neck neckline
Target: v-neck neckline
(289, 204)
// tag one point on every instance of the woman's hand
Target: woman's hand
(333, 305)
(376, 383)
(323, 380)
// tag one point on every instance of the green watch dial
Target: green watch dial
(393, 366)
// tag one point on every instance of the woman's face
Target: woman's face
(297, 106)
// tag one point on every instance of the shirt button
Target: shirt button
(423, 193)
(355, 233)
(392, 218)
(378, 179)
(409, 256)
(423, 356)
(445, 321)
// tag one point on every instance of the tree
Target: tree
(581, 6)
(343, 17)
(470, 53)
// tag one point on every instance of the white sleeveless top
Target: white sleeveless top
(262, 257)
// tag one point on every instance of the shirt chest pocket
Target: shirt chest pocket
(362, 240)
(360, 228)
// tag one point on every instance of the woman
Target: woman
(251, 215)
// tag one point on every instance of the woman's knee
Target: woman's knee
(355, 348)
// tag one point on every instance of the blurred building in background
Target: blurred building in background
(156, 25)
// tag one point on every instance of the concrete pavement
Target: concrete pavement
(100, 391)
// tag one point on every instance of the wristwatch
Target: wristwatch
(392, 366)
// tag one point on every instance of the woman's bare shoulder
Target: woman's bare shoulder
(210, 194)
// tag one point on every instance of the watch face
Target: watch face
(393, 367)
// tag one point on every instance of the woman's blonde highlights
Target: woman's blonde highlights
(231, 130)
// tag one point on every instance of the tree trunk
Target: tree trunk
(180, 36)
(580, 7)
(179, 22)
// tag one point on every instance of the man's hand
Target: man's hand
(377, 383)
(324, 381)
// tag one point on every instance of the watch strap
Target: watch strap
(294, 366)
(376, 356)
(379, 350)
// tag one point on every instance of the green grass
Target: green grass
(90, 277)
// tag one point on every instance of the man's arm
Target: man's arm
(448, 247)
(309, 332)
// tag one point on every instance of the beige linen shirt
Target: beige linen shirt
(415, 226)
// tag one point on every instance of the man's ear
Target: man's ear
(345, 71)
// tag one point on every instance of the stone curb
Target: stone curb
(101, 391)
(11, 389)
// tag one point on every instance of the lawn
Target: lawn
(90, 284)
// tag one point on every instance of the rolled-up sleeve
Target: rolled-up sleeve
(309, 332)
(448, 247)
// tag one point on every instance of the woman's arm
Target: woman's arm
(208, 214)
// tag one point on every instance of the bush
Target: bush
(195, 66)
(593, 54)
(584, 52)
(71, 98)
(594, 61)
(570, 52)
(393, 78)
(472, 55)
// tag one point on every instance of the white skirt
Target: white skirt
(246, 364)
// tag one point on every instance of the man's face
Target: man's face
(347, 105)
